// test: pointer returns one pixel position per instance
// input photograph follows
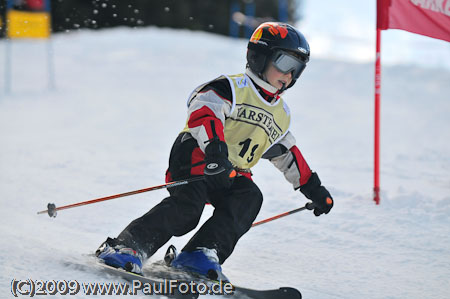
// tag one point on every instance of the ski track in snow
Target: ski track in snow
(119, 104)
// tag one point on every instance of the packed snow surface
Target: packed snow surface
(119, 103)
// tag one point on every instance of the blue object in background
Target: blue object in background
(283, 8)
(250, 13)
(234, 27)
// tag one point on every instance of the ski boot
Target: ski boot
(120, 256)
(203, 262)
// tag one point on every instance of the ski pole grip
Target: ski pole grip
(310, 206)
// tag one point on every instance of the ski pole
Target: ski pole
(52, 209)
(308, 206)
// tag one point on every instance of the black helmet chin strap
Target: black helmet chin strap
(282, 89)
(279, 91)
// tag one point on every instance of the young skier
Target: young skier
(233, 121)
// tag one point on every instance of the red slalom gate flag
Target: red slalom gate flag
(425, 17)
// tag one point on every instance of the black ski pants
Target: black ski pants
(235, 209)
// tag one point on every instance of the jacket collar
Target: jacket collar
(266, 90)
(260, 82)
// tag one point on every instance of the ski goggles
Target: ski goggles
(288, 63)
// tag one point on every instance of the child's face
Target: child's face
(277, 78)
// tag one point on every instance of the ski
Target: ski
(281, 293)
(151, 286)
(177, 284)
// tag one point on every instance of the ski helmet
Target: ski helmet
(272, 38)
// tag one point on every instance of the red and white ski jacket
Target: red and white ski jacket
(213, 105)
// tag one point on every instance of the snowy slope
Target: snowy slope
(119, 104)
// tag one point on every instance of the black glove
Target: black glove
(219, 172)
(313, 190)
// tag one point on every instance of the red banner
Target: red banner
(425, 17)
(35, 4)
